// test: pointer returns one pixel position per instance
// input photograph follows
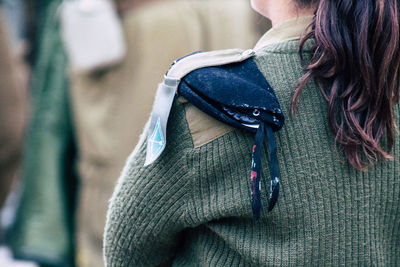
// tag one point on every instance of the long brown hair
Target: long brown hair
(356, 62)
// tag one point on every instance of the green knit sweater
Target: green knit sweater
(193, 204)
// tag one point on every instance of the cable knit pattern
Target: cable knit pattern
(193, 204)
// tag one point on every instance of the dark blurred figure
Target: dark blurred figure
(43, 231)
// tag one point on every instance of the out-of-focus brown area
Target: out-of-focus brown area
(12, 111)
(124, 6)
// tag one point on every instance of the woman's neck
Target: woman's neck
(280, 11)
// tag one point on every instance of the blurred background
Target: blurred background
(77, 82)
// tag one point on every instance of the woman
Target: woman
(338, 155)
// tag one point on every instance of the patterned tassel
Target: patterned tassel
(256, 171)
(273, 169)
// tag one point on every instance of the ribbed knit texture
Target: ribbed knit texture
(193, 204)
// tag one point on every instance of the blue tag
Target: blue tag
(156, 142)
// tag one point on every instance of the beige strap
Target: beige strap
(208, 59)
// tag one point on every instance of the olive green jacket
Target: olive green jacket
(193, 205)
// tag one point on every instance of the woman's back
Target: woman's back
(328, 213)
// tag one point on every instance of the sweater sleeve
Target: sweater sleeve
(147, 212)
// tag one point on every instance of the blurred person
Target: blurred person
(13, 116)
(111, 105)
(43, 231)
(333, 65)
(13, 111)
